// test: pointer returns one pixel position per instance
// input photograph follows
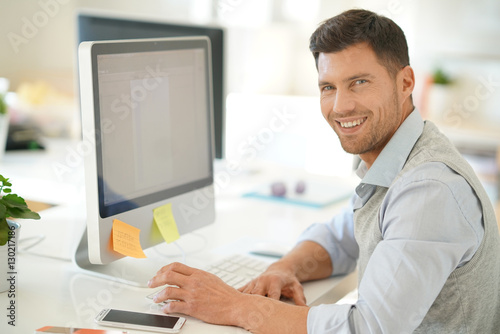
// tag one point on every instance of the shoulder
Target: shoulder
(435, 178)
(436, 171)
(435, 198)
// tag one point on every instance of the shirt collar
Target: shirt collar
(393, 157)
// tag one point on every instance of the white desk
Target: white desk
(53, 291)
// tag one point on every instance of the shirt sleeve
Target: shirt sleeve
(337, 238)
(430, 226)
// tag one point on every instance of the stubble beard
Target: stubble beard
(372, 139)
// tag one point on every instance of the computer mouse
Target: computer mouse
(269, 249)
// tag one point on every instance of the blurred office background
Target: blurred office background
(454, 49)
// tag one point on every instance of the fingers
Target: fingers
(177, 267)
(264, 287)
(295, 292)
(201, 294)
(257, 286)
(172, 274)
(298, 296)
(247, 287)
(301, 301)
(176, 306)
(274, 289)
(169, 293)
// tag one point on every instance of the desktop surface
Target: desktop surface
(51, 290)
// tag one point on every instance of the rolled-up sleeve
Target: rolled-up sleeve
(337, 238)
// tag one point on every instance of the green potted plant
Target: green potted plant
(440, 77)
(440, 95)
(11, 206)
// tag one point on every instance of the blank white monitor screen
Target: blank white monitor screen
(157, 140)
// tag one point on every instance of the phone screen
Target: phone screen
(143, 319)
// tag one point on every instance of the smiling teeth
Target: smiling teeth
(352, 124)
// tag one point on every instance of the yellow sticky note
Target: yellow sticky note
(126, 240)
(164, 219)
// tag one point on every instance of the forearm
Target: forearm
(307, 261)
(262, 315)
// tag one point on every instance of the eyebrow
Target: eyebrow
(351, 78)
(358, 76)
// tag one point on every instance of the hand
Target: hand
(206, 297)
(198, 294)
(277, 281)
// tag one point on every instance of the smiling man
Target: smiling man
(362, 100)
(420, 228)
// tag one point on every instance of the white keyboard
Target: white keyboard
(235, 270)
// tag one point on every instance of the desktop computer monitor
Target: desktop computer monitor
(147, 113)
(93, 26)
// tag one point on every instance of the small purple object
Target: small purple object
(300, 188)
(278, 189)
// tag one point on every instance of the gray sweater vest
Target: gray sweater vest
(470, 299)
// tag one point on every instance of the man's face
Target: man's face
(359, 99)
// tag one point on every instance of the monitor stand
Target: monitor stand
(131, 271)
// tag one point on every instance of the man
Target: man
(420, 227)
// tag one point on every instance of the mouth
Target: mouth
(348, 124)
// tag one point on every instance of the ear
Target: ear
(406, 82)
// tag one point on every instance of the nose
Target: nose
(344, 102)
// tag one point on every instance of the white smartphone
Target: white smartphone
(161, 323)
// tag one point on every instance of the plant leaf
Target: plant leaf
(17, 207)
(5, 181)
(23, 213)
(14, 200)
(4, 231)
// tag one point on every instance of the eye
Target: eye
(359, 82)
(327, 88)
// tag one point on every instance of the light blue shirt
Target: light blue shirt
(429, 212)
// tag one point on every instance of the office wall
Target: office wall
(38, 36)
(35, 39)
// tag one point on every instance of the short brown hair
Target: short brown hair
(361, 26)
